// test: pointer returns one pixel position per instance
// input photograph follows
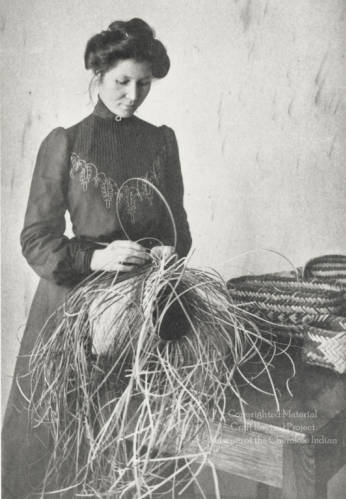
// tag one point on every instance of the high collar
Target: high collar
(102, 111)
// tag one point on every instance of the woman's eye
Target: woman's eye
(126, 82)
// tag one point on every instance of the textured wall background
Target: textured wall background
(256, 95)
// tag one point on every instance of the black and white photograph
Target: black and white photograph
(173, 279)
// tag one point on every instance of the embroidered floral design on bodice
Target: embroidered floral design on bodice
(110, 190)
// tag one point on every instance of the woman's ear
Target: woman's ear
(97, 79)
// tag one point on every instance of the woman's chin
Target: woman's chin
(126, 113)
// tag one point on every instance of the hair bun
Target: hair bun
(135, 28)
(133, 39)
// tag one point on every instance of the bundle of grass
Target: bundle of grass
(132, 370)
(128, 373)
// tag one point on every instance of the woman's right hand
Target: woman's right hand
(119, 256)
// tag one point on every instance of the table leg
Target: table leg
(299, 473)
(262, 491)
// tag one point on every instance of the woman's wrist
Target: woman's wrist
(95, 263)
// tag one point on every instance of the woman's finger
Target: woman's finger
(114, 260)
(132, 260)
(120, 256)
(125, 253)
(116, 266)
(120, 267)
(125, 244)
(129, 253)
(129, 256)
(163, 252)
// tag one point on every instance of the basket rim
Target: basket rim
(303, 286)
(324, 259)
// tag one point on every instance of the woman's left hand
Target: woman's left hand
(164, 253)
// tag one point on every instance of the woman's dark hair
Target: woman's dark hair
(133, 39)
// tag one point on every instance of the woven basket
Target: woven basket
(325, 343)
(308, 311)
(329, 268)
(286, 301)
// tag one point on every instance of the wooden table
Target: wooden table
(297, 449)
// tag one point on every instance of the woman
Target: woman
(81, 169)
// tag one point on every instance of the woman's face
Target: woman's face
(124, 87)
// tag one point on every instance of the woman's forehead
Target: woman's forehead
(131, 68)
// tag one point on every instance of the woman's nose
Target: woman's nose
(132, 92)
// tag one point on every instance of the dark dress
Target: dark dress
(81, 170)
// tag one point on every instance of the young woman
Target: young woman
(81, 170)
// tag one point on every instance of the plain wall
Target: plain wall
(256, 95)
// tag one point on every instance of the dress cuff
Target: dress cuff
(76, 265)
(82, 261)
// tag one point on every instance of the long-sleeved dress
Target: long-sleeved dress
(82, 170)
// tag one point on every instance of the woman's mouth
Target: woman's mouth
(129, 107)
